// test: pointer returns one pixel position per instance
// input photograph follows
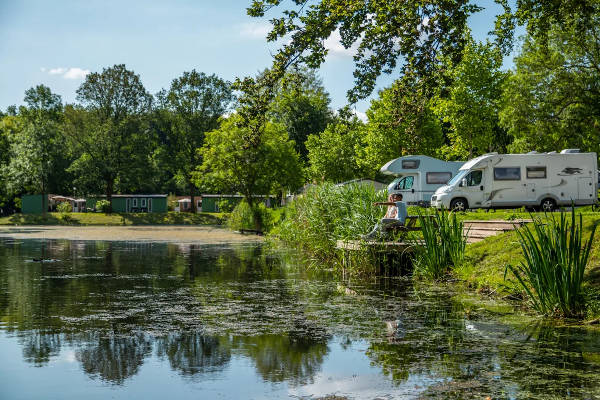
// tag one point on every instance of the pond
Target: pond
(125, 320)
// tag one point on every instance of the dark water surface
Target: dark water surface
(119, 320)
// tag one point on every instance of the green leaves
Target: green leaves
(555, 261)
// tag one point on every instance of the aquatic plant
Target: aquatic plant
(555, 258)
(443, 244)
(315, 220)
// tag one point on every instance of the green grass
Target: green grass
(83, 219)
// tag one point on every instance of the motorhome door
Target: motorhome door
(474, 189)
(409, 188)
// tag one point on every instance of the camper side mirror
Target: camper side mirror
(463, 183)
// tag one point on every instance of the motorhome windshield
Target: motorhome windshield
(458, 177)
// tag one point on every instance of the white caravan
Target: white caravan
(544, 180)
(419, 176)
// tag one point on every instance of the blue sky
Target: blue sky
(57, 42)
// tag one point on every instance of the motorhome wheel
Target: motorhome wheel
(459, 205)
(548, 205)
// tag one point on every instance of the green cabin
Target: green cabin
(134, 203)
(34, 203)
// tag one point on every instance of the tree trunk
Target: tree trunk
(44, 200)
(109, 192)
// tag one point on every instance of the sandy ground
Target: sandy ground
(162, 233)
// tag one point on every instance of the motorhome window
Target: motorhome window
(507, 174)
(474, 178)
(410, 164)
(438, 177)
(536, 172)
(408, 182)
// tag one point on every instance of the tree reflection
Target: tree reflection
(39, 347)
(114, 358)
(193, 353)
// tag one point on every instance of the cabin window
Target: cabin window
(438, 177)
(507, 174)
(134, 203)
(536, 172)
(143, 201)
(410, 164)
(474, 178)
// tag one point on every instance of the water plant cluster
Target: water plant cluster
(442, 245)
(555, 258)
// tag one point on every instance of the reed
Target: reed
(555, 258)
(443, 244)
(315, 220)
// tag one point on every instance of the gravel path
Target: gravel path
(161, 233)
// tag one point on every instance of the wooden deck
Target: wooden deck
(475, 230)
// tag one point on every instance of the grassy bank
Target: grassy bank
(83, 219)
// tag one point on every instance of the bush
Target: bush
(64, 207)
(444, 244)
(326, 213)
(243, 217)
(103, 206)
(555, 260)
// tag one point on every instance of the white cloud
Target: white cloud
(255, 30)
(335, 47)
(67, 73)
(57, 71)
(76, 73)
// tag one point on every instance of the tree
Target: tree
(197, 101)
(302, 106)
(406, 36)
(471, 103)
(109, 129)
(552, 100)
(332, 155)
(401, 122)
(36, 148)
(231, 165)
(9, 126)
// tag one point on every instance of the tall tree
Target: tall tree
(37, 147)
(197, 101)
(401, 122)
(302, 106)
(9, 126)
(230, 165)
(111, 135)
(332, 155)
(470, 105)
(552, 100)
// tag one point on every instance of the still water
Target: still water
(120, 320)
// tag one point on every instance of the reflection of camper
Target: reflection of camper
(546, 180)
(419, 176)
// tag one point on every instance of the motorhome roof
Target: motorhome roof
(474, 162)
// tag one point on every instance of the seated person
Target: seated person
(394, 217)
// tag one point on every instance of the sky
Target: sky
(56, 43)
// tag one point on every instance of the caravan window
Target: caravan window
(507, 174)
(143, 203)
(438, 177)
(536, 172)
(405, 183)
(410, 164)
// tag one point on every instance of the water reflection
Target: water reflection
(208, 312)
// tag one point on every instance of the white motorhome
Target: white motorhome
(544, 180)
(419, 176)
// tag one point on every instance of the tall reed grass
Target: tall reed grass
(555, 256)
(443, 244)
(315, 220)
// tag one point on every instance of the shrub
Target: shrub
(243, 217)
(64, 207)
(443, 245)
(326, 213)
(554, 263)
(103, 206)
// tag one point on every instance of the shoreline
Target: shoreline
(205, 234)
